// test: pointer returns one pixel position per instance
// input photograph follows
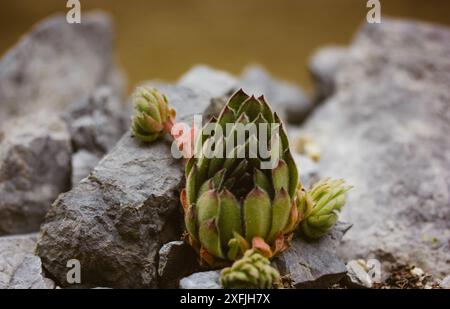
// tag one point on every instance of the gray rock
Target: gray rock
(83, 162)
(97, 122)
(202, 280)
(176, 260)
(56, 64)
(19, 268)
(385, 130)
(357, 275)
(215, 82)
(115, 221)
(286, 99)
(324, 67)
(35, 158)
(314, 264)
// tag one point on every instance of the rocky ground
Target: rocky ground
(72, 176)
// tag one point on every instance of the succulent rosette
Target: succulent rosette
(232, 200)
(152, 116)
(321, 205)
(252, 271)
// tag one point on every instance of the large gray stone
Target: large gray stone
(19, 267)
(56, 64)
(314, 264)
(286, 99)
(386, 131)
(35, 154)
(116, 220)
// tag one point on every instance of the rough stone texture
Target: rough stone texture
(386, 131)
(314, 264)
(202, 280)
(324, 67)
(176, 260)
(116, 220)
(83, 162)
(215, 82)
(286, 99)
(97, 122)
(34, 168)
(56, 64)
(19, 268)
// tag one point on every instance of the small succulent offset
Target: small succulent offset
(321, 205)
(252, 271)
(152, 116)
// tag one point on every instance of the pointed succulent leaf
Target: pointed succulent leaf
(229, 217)
(236, 100)
(280, 176)
(293, 174)
(251, 107)
(281, 210)
(207, 206)
(262, 181)
(191, 222)
(209, 237)
(191, 186)
(257, 214)
(266, 110)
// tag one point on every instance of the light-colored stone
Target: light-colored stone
(19, 267)
(357, 275)
(214, 82)
(202, 280)
(35, 156)
(386, 131)
(56, 64)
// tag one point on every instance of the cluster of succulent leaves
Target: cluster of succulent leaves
(321, 205)
(152, 116)
(230, 203)
(252, 271)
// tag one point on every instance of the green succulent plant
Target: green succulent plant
(321, 205)
(231, 204)
(152, 115)
(252, 271)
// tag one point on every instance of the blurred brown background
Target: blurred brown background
(163, 39)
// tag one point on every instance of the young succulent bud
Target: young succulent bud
(152, 115)
(253, 271)
(327, 197)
